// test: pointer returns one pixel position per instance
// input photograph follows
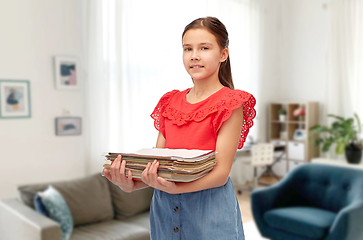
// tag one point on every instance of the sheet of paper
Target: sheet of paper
(165, 152)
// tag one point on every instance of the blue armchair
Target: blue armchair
(314, 201)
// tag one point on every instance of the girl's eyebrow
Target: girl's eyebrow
(206, 43)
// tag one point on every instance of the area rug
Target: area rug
(251, 231)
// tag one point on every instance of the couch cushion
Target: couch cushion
(130, 204)
(305, 221)
(58, 210)
(141, 220)
(111, 230)
(88, 198)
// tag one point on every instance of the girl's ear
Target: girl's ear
(224, 55)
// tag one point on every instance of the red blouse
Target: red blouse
(195, 126)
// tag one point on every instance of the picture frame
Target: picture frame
(15, 99)
(68, 126)
(66, 70)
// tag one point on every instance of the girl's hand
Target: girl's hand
(118, 177)
(151, 178)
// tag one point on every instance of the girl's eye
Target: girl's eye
(187, 49)
(204, 48)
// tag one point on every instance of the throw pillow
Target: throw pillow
(39, 206)
(58, 210)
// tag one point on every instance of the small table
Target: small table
(337, 162)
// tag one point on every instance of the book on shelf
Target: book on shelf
(178, 165)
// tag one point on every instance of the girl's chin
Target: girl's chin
(199, 77)
(203, 75)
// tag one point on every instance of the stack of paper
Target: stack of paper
(178, 165)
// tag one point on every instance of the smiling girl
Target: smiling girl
(209, 116)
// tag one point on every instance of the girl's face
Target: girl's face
(202, 54)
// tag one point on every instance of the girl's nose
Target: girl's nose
(195, 56)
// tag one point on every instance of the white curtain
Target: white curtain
(133, 55)
(99, 78)
(345, 59)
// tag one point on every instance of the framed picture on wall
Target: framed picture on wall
(67, 126)
(15, 99)
(66, 73)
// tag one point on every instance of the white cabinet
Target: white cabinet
(296, 151)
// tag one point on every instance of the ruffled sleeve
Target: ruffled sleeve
(159, 120)
(233, 100)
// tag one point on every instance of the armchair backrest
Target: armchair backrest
(323, 186)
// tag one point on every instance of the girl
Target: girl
(208, 116)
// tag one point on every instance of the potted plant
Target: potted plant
(282, 114)
(344, 134)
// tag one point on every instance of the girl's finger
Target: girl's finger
(146, 170)
(107, 174)
(129, 177)
(153, 172)
(153, 168)
(118, 173)
(162, 181)
(116, 169)
(123, 169)
(156, 167)
(144, 174)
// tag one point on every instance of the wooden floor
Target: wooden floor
(244, 197)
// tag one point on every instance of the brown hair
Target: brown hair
(217, 28)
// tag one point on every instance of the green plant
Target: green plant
(282, 111)
(343, 132)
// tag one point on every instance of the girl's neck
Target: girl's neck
(203, 89)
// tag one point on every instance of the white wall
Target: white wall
(303, 50)
(32, 33)
(295, 49)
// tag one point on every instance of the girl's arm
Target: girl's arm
(226, 147)
(161, 142)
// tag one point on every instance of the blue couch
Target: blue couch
(314, 201)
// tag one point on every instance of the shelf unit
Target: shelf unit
(293, 132)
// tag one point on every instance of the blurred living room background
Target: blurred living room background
(129, 53)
